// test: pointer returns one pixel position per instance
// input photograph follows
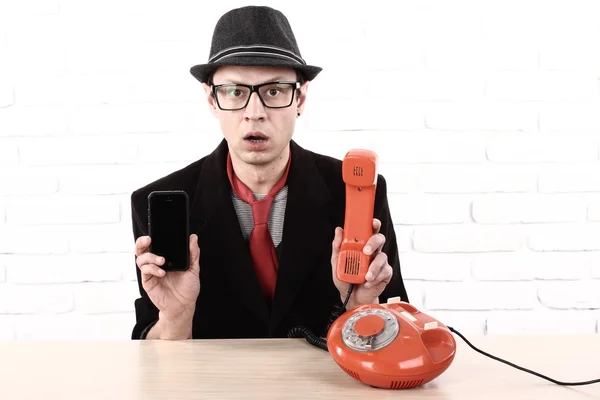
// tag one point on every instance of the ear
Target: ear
(301, 98)
(211, 100)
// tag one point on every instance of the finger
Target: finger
(142, 244)
(150, 270)
(384, 277)
(149, 258)
(378, 263)
(336, 244)
(194, 252)
(374, 244)
(376, 225)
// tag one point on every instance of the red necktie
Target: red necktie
(262, 249)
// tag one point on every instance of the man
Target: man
(251, 277)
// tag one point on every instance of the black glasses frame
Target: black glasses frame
(254, 88)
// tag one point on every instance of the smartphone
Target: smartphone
(168, 228)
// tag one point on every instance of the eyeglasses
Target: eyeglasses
(235, 96)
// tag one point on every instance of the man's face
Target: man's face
(256, 134)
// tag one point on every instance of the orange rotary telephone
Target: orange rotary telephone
(392, 345)
(383, 345)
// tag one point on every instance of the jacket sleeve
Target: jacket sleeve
(382, 212)
(146, 313)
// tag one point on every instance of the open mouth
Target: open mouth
(256, 138)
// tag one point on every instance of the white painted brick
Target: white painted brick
(9, 153)
(2, 273)
(418, 209)
(7, 327)
(404, 237)
(74, 326)
(314, 140)
(482, 116)
(109, 179)
(7, 97)
(128, 118)
(526, 266)
(51, 46)
(35, 299)
(542, 86)
(536, 149)
(566, 237)
(15, 239)
(106, 238)
(78, 150)
(461, 57)
(424, 85)
(569, 178)
(416, 292)
(581, 295)
(72, 268)
(27, 181)
(411, 147)
(526, 208)
(594, 211)
(571, 56)
(168, 86)
(32, 121)
(596, 270)
(176, 147)
(100, 298)
(540, 322)
(434, 267)
(44, 210)
(400, 178)
(478, 178)
(63, 90)
(497, 56)
(468, 239)
(362, 114)
(465, 322)
(568, 118)
(129, 270)
(482, 296)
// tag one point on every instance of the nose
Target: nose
(255, 110)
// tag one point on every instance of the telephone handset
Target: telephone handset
(384, 345)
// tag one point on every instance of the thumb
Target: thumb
(335, 245)
(194, 253)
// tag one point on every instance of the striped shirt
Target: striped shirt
(276, 214)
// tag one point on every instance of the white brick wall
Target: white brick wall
(489, 139)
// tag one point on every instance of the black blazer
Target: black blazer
(231, 304)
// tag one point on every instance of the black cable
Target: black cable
(521, 368)
(304, 332)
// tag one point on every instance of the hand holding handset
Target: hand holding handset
(168, 226)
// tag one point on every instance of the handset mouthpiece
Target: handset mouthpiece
(359, 172)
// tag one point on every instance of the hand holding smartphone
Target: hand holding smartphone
(168, 227)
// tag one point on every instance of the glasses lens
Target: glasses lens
(232, 97)
(277, 94)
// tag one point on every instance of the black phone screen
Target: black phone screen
(168, 228)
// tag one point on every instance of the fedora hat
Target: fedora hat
(254, 36)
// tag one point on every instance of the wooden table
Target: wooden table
(283, 369)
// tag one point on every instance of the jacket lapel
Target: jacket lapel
(306, 231)
(213, 216)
